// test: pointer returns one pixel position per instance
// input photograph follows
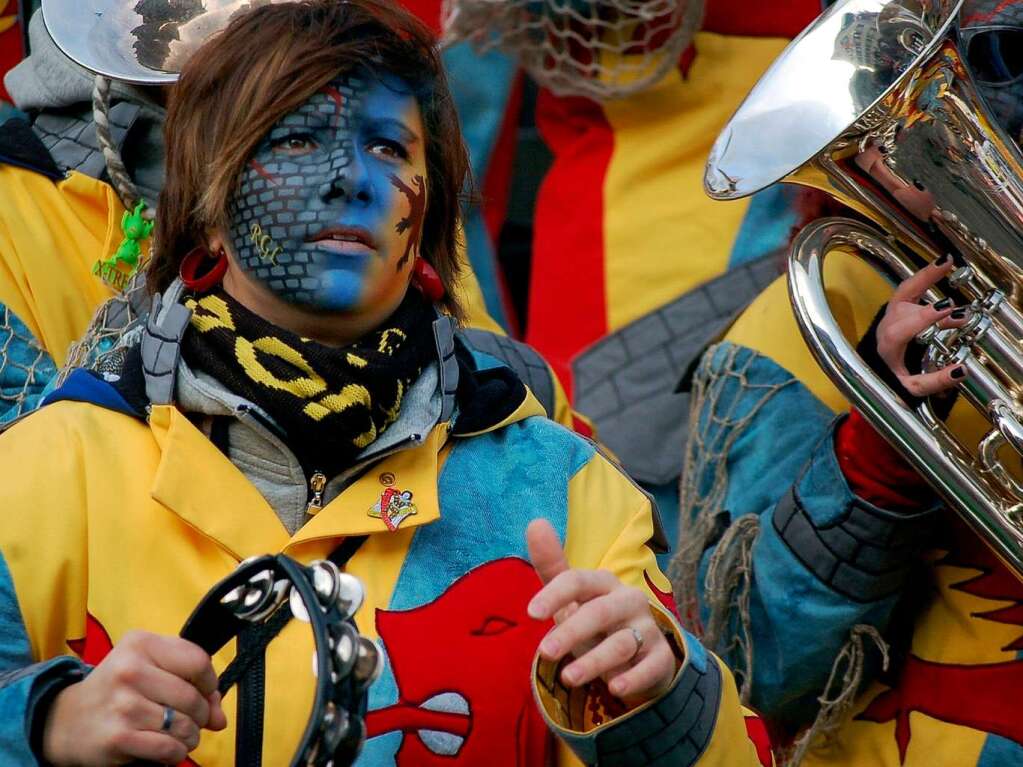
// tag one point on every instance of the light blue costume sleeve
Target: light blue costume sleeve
(24, 684)
(25, 368)
(822, 559)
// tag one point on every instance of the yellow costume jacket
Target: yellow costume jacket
(120, 520)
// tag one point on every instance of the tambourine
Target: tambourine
(258, 600)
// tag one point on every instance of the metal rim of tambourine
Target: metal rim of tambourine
(148, 47)
(345, 663)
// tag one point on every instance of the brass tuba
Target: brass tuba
(873, 104)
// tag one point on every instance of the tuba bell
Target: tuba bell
(874, 105)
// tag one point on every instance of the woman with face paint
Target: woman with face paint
(298, 385)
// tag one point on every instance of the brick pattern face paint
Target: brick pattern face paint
(349, 159)
(270, 213)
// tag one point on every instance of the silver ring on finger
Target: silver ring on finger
(639, 642)
(168, 719)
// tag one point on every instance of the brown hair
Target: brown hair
(265, 64)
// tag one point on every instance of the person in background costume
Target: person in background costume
(297, 382)
(62, 219)
(634, 269)
(861, 617)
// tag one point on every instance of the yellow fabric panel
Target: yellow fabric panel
(731, 744)
(855, 292)
(624, 518)
(663, 235)
(51, 234)
(933, 743)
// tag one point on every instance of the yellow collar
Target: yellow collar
(201, 485)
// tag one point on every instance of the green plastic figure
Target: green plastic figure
(135, 228)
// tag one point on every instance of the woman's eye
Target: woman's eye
(388, 148)
(294, 145)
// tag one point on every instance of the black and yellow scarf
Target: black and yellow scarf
(331, 402)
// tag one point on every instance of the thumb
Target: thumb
(545, 550)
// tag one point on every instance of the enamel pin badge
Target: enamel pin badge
(394, 506)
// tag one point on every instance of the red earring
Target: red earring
(200, 271)
(425, 278)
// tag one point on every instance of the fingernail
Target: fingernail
(943, 260)
(617, 686)
(549, 647)
(959, 373)
(958, 314)
(537, 610)
(943, 304)
(570, 675)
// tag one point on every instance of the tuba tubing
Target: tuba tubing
(896, 130)
(974, 491)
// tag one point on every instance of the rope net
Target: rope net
(112, 326)
(725, 400)
(25, 368)
(602, 49)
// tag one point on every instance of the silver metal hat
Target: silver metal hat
(145, 42)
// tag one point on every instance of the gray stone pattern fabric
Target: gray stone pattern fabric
(522, 358)
(864, 556)
(444, 337)
(71, 137)
(627, 382)
(279, 205)
(673, 732)
(161, 345)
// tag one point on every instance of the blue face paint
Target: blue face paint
(328, 212)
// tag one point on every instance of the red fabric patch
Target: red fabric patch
(876, 472)
(428, 12)
(95, 645)
(567, 302)
(755, 18)
(473, 645)
(11, 51)
(580, 426)
(757, 732)
(984, 698)
(666, 598)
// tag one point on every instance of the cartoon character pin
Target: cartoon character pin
(117, 270)
(394, 506)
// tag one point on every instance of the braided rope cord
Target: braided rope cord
(601, 49)
(119, 315)
(120, 179)
(724, 402)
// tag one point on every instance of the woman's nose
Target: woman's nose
(346, 179)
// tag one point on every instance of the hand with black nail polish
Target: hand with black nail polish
(906, 316)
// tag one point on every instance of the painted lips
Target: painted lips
(344, 239)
